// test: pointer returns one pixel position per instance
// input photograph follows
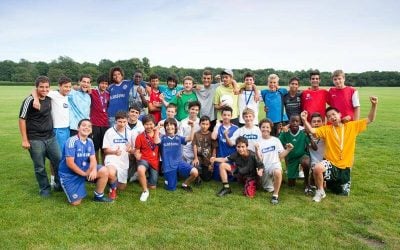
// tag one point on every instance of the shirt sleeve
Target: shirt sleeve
(355, 99)
(69, 149)
(235, 135)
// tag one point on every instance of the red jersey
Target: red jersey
(342, 99)
(314, 101)
(98, 108)
(155, 98)
(148, 149)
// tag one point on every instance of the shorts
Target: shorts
(204, 173)
(74, 185)
(267, 179)
(120, 165)
(338, 180)
(293, 167)
(171, 177)
(62, 135)
(153, 174)
(97, 136)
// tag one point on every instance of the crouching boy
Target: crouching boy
(79, 165)
(244, 165)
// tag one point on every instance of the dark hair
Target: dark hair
(266, 120)
(207, 72)
(41, 79)
(242, 139)
(293, 115)
(64, 80)
(83, 120)
(113, 69)
(331, 108)
(171, 105)
(316, 114)
(121, 115)
(295, 78)
(226, 108)
(172, 78)
(204, 118)
(153, 76)
(102, 78)
(314, 73)
(137, 71)
(134, 107)
(249, 74)
(85, 76)
(171, 121)
(194, 104)
(148, 118)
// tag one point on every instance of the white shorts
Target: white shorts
(120, 165)
(267, 180)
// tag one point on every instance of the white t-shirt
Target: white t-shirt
(59, 109)
(113, 140)
(184, 130)
(318, 155)
(246, 100)
(252, 134)
(270, 149)
(139, 128)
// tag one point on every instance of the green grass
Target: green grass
(369, 218)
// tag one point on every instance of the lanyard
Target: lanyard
(103, 100)
(340, 140)
(150, 142)
(247, 100)
(123, 137)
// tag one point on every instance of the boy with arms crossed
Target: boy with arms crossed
(155, 102)
(79, 164)
(292, 100)
(314, 99)
(79, 102)
(340, 141)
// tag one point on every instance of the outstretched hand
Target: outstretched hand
(373, 99)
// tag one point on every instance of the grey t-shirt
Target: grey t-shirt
(206, 97)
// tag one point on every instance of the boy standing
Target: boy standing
(119, 93)
(292, 100)
(224, 96)
(36, 128)
(79, 164)
(155, 103)
(79, 102)
(168, 93)
(187, 96)
(314, 99)
(344, 98)
(340, 140)
(185, 128)
(137, 92)
(248, 98)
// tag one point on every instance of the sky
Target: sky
(356, 36)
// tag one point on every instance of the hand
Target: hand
(140, 90)
(162, 97)
(257, 98)
(289, 146)
(373, 99)
(260, 171)
(191, 123)
(284, 128)
(195, 162)
(304, 115)
(26, 145)
(211, 168)
(226, 132)
(92, 175)
(256, 146)
(212, 160)
(129, 147)
(265, 109)
(345, 119)
(179, 94)
(36, 104)
(118, 151)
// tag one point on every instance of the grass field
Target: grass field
(369, 218)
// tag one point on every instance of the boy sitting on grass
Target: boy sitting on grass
(79, 164)
(246, 167)
(340, 140)
(173, 163)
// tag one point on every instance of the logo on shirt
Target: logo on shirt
(251, 137)
(65, 105)
(125, 86)
(268, 149)
(120, 140)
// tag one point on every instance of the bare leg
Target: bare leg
(142, 177)
(193, 175)
(102, 180)
(223, 171)
(277, 181)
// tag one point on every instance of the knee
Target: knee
(224, 166)
(318, 169)
(141, 170)
(194, 172)
(305, 163)
(277, 173)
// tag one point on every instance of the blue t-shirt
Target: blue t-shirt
(168, 95)
(79, 106)
(119, 97)
(81, 151)
(223, 148)
(273, 101)
(171, 151)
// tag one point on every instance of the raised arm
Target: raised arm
(307, 125)
(284, 153)
(372, 111)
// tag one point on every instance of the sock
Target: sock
(98, 194)
(226, 185)
(184, 185)
(113, 185)
(275, 195)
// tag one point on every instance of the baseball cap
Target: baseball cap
(227, 72)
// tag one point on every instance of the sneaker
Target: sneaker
(301, 174)
(308, 191)
(134, 177)
(319, 195)
(102, 199)
(112, 194)
(57, 188)
(274, 200)
(187, 189)
(224, 191)
(144, 195)
(198, 182)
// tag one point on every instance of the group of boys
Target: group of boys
(76, 129)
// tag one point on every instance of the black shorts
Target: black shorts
(97, 136)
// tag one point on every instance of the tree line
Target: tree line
(26, 71)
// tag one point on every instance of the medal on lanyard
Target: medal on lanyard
(247, 100)
(103, 101)
(151, 144)
(340, 140)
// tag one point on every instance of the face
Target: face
(121, 123)
(154, 83)
(149, 126)
(171, 112)
(226, 116)
(117, 76)
(207, 79)
(315, 80)
(85, 84)
(171, 84)
(133, 115)
(65, 88)
(103, 86)
(273, 84)
(170, 128)
(339, 81)
(266, 128)
(241, 148)
(137, 77)
(85, 129)
(334, 117)
(205, 125)
(194, 111)
(188, 85)
(316, 122)
(43, 89)
(226, 79)
(249, 81)
(294, 123)
(294, 85)
(248, 118)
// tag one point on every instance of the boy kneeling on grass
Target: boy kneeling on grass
(79, 165)
(244, 164)
(340, 141)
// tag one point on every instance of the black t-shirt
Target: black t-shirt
(39, 123)
(247, 166)
(292, 104)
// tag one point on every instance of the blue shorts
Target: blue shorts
(62, 135)
(74, 185)
(153, 174)
(171, 177)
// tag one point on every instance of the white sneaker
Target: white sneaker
(144, 196)
(319, 195)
